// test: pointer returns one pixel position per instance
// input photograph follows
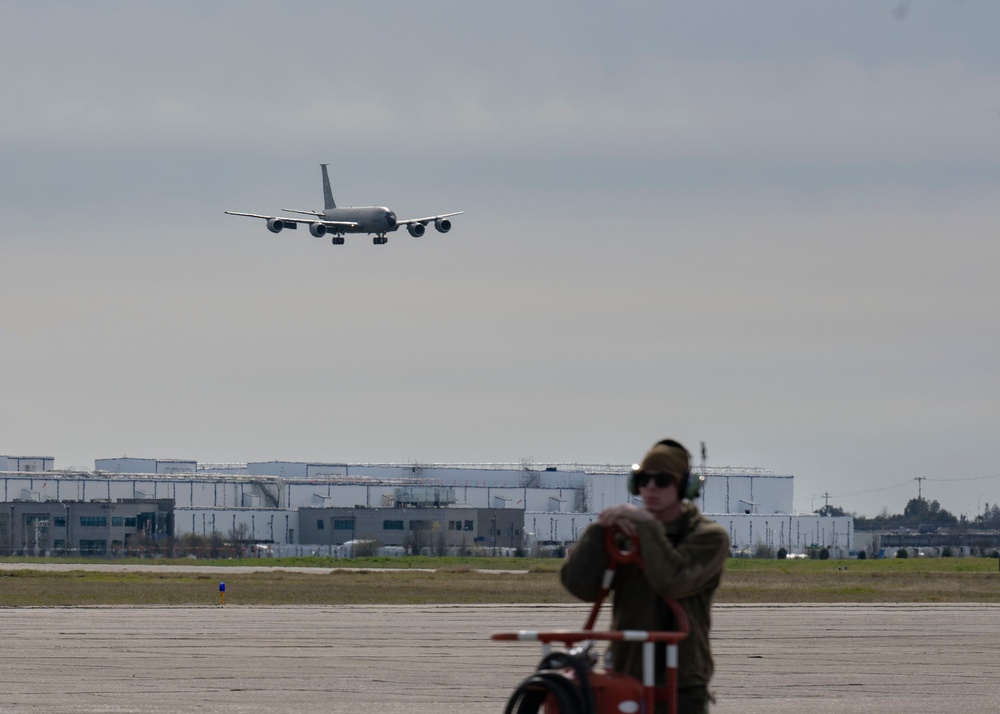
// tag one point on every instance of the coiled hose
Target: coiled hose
(549, 679)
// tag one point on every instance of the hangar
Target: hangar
(556, 501)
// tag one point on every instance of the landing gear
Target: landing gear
(337, 240)
(380, 240)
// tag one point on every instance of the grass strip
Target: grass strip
(745, 581)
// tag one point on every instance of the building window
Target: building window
(93, 547)
(319, 524)
(468, 526)
(117, 521)
(94, 522)
(130, 522)
(59, 521)
(392, 525)
(343, 524)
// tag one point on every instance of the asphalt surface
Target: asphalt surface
(439, 659)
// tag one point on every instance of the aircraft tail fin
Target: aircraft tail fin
(328, 201)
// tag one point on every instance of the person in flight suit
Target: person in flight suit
(683, 554)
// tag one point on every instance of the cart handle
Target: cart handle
(623, 549)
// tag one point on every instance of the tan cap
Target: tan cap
(666, 457)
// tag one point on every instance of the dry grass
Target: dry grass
(745, 581)
(916, 580)
(24, 588)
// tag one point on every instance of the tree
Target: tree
(192, 544)
(990, 517)
(439, 540)
(216, 542)
(829, 510)
(365, 548)
(920, 510)
(239, 536)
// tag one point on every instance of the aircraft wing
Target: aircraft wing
(286, 219)
(408, 221)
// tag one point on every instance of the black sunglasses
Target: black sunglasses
(661, 480)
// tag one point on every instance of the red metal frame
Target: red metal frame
(617, 555)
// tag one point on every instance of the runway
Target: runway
(439, 659)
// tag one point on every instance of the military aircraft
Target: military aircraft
(377, 220)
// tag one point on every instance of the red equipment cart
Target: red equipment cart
(569, 681)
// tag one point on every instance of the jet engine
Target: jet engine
(443, 225)
(317, 229)
(416, 229)
(275, 225)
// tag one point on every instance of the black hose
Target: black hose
(532, 693)
(561, 660)
(548, 679)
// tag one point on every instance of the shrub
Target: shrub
(782, 553)
(902, 553)
(862, 555)
(824, 554)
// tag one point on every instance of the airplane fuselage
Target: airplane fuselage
(369, 219)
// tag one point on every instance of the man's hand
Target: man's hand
(625, 517)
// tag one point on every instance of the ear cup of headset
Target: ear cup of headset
(692, 486)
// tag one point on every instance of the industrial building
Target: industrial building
(282, 502)
(440, 530)
(95, 528)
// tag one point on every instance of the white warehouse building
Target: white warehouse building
(558, 500)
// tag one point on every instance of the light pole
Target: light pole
(66, 541)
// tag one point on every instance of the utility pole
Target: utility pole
(918, 479)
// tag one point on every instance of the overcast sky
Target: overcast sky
(769, 226)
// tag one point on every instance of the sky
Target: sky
(770, 227)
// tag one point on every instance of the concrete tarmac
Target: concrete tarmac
(439, 659)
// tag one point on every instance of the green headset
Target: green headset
(690, 483)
